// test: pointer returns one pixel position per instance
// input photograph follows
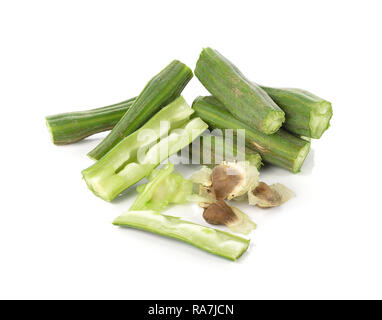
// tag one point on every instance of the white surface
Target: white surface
(56, 237)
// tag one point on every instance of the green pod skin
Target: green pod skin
(282, 148)
(159, 91)
(305, 113)
(212, 150)
(244, 99)
(211, 240)
(70, 127)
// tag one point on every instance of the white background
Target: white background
(56, 237)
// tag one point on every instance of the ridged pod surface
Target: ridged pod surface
(305, 113)
(244, 99)
(159, 91)
(281, 148)
(71, 127)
